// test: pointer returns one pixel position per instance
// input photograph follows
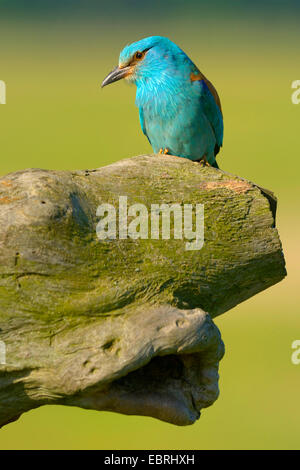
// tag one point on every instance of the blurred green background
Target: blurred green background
(54, 56)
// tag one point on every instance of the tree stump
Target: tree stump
(124, 324)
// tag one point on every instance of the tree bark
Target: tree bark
(124, 324)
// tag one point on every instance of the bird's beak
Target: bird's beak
(117, 74)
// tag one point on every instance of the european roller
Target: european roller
(180, 110)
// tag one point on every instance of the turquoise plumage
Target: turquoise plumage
(180, 110)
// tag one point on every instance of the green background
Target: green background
(53, 59)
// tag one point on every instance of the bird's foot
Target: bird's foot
(203, 161)
(163, 151)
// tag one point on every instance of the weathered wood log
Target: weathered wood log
(121, 324)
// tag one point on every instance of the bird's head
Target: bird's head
(149, 59)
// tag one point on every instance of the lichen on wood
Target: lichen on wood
(124, 325)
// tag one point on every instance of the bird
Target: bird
(179, 108)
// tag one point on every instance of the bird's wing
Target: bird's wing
(212, 111)
(211, 106)
(142, 121)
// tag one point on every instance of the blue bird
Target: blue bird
(180, 110)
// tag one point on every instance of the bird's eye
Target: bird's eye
(139, 55)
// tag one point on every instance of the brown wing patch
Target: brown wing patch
(199, 76)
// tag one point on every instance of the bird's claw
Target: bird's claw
(163, 151)
(204, 162)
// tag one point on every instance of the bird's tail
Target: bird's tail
(215, 165)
